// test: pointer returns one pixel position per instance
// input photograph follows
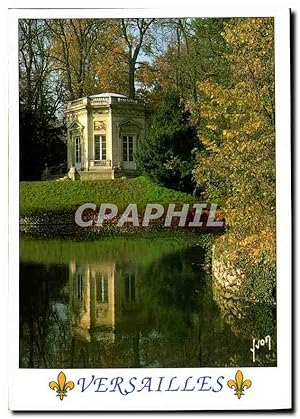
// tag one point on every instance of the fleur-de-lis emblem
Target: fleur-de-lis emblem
(61, 386)
(239, 385)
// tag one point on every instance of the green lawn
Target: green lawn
(65, 195)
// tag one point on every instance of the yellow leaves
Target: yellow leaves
(252, 245)
(247, 31)
(209, 144)
(251, 53)
(227, 135)
(212, 127)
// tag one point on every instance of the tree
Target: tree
(112, 67)
(98, 54)
(39, 101)
(192, 50)
(166, 155)
(238, 125)
(134, 32)
(238, 132)
(76, 50)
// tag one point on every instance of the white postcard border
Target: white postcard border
(271, 389)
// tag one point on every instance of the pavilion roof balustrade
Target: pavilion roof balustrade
(105, 101)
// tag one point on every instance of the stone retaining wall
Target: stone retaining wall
(227, 281)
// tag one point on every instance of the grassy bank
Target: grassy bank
(37, 197)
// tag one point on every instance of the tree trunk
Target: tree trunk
(131, 86)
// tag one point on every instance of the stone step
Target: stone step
(96, 174)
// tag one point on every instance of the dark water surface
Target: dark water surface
(121, 303)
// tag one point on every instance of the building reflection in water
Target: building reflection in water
(102, 299)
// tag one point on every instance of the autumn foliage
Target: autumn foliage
(238, 130)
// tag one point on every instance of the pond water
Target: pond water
(119, 303)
